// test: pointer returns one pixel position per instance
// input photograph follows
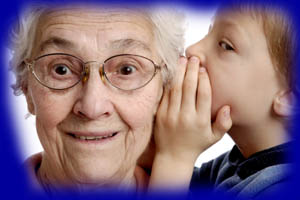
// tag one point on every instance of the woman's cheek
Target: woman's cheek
(139, 112)
(51, 109)
(140, 108)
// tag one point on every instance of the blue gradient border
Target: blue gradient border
(13, 181)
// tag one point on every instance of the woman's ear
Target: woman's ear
(159, 96)
(28, 96)
(283, 103)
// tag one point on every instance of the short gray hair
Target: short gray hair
(168, 29)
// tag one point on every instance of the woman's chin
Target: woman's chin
(105, 172)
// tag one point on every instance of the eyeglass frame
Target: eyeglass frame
(85, 69)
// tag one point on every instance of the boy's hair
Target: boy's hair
(280, 36)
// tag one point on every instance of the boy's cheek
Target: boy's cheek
(220, 92)
(222, 99)
(216, 106)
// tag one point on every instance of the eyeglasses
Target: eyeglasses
(61, 71)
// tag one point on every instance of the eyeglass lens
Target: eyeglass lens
(60, 71)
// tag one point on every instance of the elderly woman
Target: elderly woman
(93, 77)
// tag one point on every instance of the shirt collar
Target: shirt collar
(260, 160)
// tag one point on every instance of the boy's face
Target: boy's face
(236, 56)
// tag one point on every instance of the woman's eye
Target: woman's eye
(127, 70)
(62, 69)
(226, 46)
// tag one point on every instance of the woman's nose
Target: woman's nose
(95, 99)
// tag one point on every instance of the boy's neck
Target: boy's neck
(255, 138)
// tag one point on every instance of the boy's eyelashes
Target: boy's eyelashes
(226, 46)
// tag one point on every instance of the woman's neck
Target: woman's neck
(54, 180)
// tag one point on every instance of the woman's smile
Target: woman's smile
(94, 138)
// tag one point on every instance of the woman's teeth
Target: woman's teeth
(81, 137)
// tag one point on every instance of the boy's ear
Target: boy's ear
(283, 103)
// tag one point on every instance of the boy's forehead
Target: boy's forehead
(238, 14)
(236, 18)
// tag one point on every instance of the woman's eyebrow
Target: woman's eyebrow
(125, 44)
(57, 42)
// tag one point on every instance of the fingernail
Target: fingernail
(194, 59)
(182, 60)
(202, 69)
(227, 112)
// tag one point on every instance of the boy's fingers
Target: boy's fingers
(203, 101)
(176, 87)
(223, 122)
(190, 85)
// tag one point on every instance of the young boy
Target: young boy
(246, 62)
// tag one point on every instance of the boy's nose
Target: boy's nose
(197, 49)
(95, 100)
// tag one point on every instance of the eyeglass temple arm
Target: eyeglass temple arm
(28, 64)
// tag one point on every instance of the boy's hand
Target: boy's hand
(183, 127)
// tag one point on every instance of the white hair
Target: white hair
(168, 29)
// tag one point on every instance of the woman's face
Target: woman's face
(93, 108)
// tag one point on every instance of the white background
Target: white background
(198, 24)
